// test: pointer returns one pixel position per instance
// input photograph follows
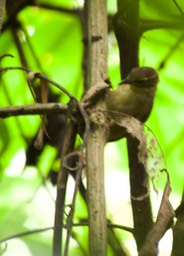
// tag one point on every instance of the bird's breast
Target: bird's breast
(136, 102)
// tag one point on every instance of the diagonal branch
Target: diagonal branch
(61, 191)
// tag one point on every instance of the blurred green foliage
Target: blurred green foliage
(56, 41)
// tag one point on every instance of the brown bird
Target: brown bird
(134, 97)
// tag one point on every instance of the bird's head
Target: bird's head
(142, 77)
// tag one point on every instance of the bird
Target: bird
(134, 97)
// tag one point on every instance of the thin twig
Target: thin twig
(61, 190)
(4, 249)
(147, 24)
(178, 7)
(128, 229)
(25, 234)
(171, 51)
(71, 213)
(6, 55)
(56, 85)
(39, 75)
(80, 224)
(32, 50)
(19, 46)
(58, 8)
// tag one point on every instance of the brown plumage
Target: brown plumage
(134, 97)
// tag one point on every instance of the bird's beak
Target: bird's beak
(124, 81)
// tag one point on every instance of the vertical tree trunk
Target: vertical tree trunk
(96, 75)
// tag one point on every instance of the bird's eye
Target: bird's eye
(140, 81)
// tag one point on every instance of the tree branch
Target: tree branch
(141, 206)
(147, 25)
(61, 190)
(34, 109)
(128, 31)
(76, 11)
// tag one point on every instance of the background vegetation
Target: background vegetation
(51, 39)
